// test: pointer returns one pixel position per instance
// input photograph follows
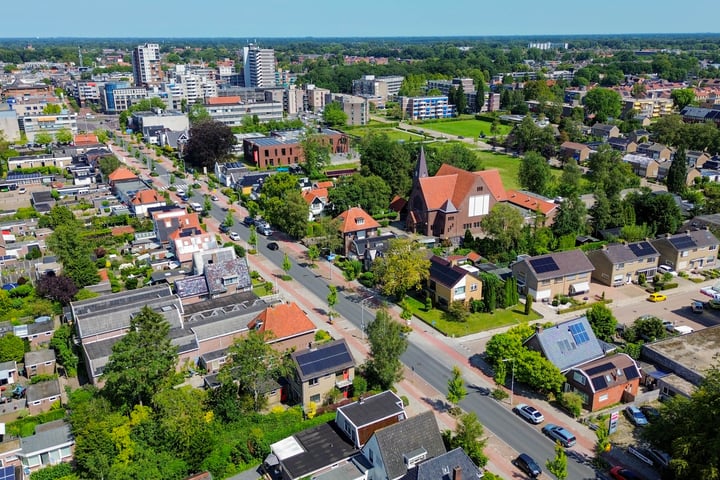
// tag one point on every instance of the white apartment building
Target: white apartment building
(85, 92)
(356, 108)
(32, 125)
(258, 66)
(232, 110)
(146, 65)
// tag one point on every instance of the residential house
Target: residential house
(317, 199)
(605, 381)
(694, 249)
(579, 151)
(190, 239)
(450, 282)
(604, 131)
(642, 165)
(51, 444)
(356, 225)
(696, 159)
(639, 136)
(320, 369)
(559, 273)
(566, 344)
(144, 200)
(119, 174)
(656, 151)
(228, 173)
(618, 264)
(39, 362)
(395, 450)
(8, 373)
(42, 395)
(370, 248)
(622, 144)
(452, 465)
(38, 333)
(451, 202)
(168, 220)
(288, 326)
(224, 272)
(692, 173)
(359, 420)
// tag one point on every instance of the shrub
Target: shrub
(499, 394)
(359, 386)
(405, 400)
(43, 378)
(322, 336)
(572, 402)
(254, 274)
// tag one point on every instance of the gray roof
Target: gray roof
(120, 299)
(42, 390)
(692, 239)
(412, 435)
(564, 348)
(227, 301)
(50, 437)
(37, 357)
(323, 446)
(442, 467)
(98, 353)
(622, 252)
(369, 410)
(638, 159)
(569, 262)
(6, 366)
(191, 286)
(237, 267)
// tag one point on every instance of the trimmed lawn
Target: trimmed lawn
(508, 166)
(259, 288)
(467, 128)
(392, 133)
(477, 322)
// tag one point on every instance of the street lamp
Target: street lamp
(362, 314)
(512, 378)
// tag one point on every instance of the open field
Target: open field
(508, 166)
(390, 132)
(470, 128)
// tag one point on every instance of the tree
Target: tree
(370, 192)
(456, 387)
(469, 435)
(52, 109)
(58, 215)
(601, 212)
(402, 268)
(60, 288)
(209, 142)
(387, 344)
(570, 179)
(682, 97)
(503, 224)
(677, 173)
(142, 363)
(558, 465)
(604, 103)
(74, 252)
(602, 321)
(528, 136)
(198, 114)
(313, 253)
(332, 301)
(229, 220)
(108, 164)
(528, 304)
(334, 115)
(460, 100)
(456, 154)
(570, 218)
(480, 94)
(289, 213)
(316, 153)
(457, 311)
(12, 348)
(252, 239)
(389, 160)
(64, 136)
(534, 173)
(286, 265)
(43, 138)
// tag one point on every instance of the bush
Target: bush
(572, 402)
(359, 386)
(499, 394)
(405, 400)
(43, 378)
(254, 274)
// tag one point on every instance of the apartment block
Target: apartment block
(356, 108)
(146, 65)
(258, 66)
(426, 108)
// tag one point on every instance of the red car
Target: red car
(622, 473)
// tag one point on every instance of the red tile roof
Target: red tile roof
(143, 197)
(326, 184)
(224, 100)
(121, 173)
(529, 202)
(86, 139)
(122, 229)
(454, 184)
(311, 195)
(356, 219)
(284, 320)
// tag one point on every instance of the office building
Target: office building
(384, 88)
(232, 110)
(259, 66)
(146, 65)
(117, 97)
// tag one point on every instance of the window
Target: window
(479, 205)
(313, 381)
(603, 398)
(620, 265)
(315, 398)
(460, 290)
(685, 253)
(579, 378)
(473, 287)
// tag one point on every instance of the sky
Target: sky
(251, 19)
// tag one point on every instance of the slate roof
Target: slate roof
(608, 372)
(98, 353)
(569, 262)
(51, 436)
(327, 358)
(191, 286)
(42, 390)
(216, 272)
(399, 439)
(621, 252)
(371, 409)
(564, 348)
(37, 357)
(284, 320)
(443, 272)
(442, 467)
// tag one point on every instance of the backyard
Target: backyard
(477, 322)
(508, 167)
(469, 128)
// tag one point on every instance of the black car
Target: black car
(650, 412)
(249, 221)
(273, 246)
(526, 463)
(224, 228)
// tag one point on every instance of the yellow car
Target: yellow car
(657, 297)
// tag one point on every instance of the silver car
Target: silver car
(531, 414)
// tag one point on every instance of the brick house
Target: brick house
(39, 362)
(359, 420)
(694, 249)
(622, 263)
(656, 151)
(579, 151)
(285, 148)
(605, 381)
(121, 174)
(8, 373)
(41, 396)
(449, 282)
(356, 225)
(289, 326)
(559, 273)
(320, 369)
(604, 131)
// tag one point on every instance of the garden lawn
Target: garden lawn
(477, 322)
(470, 128)
(508, 166)
(259, 288)
(392, 133)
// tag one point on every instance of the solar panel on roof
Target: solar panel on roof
(599, 383)
(323, 359)
(605, 367)
(543, 265)
(579, 333)
(630, 373)
(641, 249)
(681, 243)
(7, 473)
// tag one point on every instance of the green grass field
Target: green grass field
(392, 133)
(508, 166)
(466, 128)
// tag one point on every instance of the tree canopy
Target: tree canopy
(387, 344)
(209, 142)
(534, 174)
(370, 192)
(604, 103)
(388, 159)
(334, 115)
(403, 267)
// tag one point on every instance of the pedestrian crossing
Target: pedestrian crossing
(177, 185)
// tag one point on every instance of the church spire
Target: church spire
(421, 170)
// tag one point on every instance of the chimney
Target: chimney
(457, 473)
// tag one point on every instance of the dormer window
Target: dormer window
(359, 221)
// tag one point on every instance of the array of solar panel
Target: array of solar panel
(22, 176)
(323, 359)
(683, 242)
(630, 373)
(445, 275)
(599, 383)
(579, 333)
(7, 473)
(543, 265)
(605, 367)
(642, 249)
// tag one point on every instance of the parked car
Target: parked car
(273, 246)
(622, 473)
(635, 416)
(650, 412)
(234, 236)
(714, 304)
(265, 231)
(214, 198)
(663, 269)
(697, 307)
(669, 326)
(682, 329)
(22, 190)
(224, 228)
(531, 414)
(529, 466)
(248, 221)
(657, 297)
(559, 434)
(19, 392)
(659, 458)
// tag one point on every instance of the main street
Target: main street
(428, 365)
